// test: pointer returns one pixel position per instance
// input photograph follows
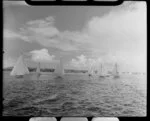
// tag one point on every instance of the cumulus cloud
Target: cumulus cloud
(41, 56)
(108, 61)
(79, 62)
(119, 30)
(84, 62)
(44, 32)
(8, 34)
(119, 34)
(48, 21)
(116, 31)
(42, 27)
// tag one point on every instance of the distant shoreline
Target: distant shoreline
(69, 70)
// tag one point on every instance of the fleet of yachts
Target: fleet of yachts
(21, 69)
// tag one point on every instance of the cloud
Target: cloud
(41, 56)
(46, 34)
(119, 30)
(8, 34)
(42, 27)
(115, 31)
(79, 62)
(83, 62)
(108, 61)
(48, 21)
(121, 34)
(117, 36)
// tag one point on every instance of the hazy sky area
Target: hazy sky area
(82, 35)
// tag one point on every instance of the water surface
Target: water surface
(74, 95)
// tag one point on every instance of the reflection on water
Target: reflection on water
(74, 95)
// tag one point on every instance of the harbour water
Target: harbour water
(75, 95)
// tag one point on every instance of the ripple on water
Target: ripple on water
(13, 103)
(74, 97)
(25, 111)
(47, 100)
(129, 112)
(67, 105)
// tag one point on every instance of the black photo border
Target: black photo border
(65, 3)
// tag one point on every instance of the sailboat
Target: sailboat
(116, 73)
(38, 70)
(20, 68)
(59, 71)
(101, 73)
(91, 70)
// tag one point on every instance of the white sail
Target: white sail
(38, 68)
(91, 70)
(19, 68)
(38, 71)
(101, 71)
(115, 71)
(95, 70)
(59, 70)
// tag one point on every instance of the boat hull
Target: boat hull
(19, 76)
(116, 76)
(102, 76)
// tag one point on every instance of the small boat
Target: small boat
(19, 76)
(89, 74)
(107, 75)
(20, 68)
(58, 77)
(116, 73)
(101, 74)
(90, 71)
(59, 70)
(38, 72)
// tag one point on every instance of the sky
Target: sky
(82, 35)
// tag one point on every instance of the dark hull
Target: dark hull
(19, 76)
(116, 76)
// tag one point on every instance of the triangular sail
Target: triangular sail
(38, 68)
(101, 70)
(115, 71)
(19, 68)
(59, 68)
(91, 70)
(95, 70)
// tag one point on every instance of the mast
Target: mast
(59, 70)
(101, 68)
(61, 66)
(90, 70)
(116, 68)
(38, 68)
(116, 75)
